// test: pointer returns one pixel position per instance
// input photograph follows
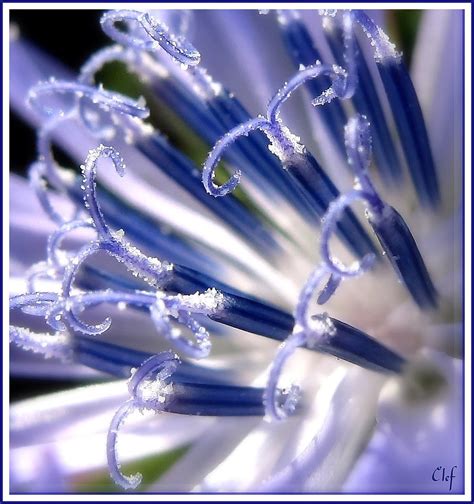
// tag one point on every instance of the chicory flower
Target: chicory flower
(285, 321)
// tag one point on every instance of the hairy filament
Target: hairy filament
(39, 270)
(145, 32)
(145, 395)
(208, 172)
(306, 331)
(89, 170)
(36, 175)
(384, 49)
(54, 254)
(112, 101)
(56, 345)
(329, 226)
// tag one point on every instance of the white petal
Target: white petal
(413, 438)
(437, 72)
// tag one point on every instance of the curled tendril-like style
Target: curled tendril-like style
(56, 345)
(54, 254)
(58, 309)
(166, 306)
(208, 173)
(279, 403)
(37, 271)
(150, 269)
(89, 170)
(384, 49)
(111, 101)
(100, 58)
(37, 180)
(150, 389)
(334, 213)
(107, 126)
(145, 32)
(282, 142)
(46, 170)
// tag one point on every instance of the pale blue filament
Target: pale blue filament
(329, 226)
(161, 367)
(270, 125)
(56, 238)
(208, 172)
(100, 97)
(279, 405)
(144, 32)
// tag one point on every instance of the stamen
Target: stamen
(303, 53)
(314, 184)
(230, 210)
(151, 389)
(146, 33)
(352, 345)
(390, 228)
(405, 257)
(163, 365)
(278, 405)
(406, 111)
(412, 130)
(161, 307)
(118, 361)
(146, 231)
(366, 101)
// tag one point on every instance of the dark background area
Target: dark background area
(70, 42)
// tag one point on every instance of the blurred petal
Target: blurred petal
(437, 71)
(413, 438)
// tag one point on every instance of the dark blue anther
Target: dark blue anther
(189, 106)
(303, 52)
(118, 361)
(212, 118)
(187, 175)
(260, 318)
(412, 130)
(355, 346)
(402, 251)
(143, 231)
(251, 153)
(366, 102)
(321, 192)
(215, 400)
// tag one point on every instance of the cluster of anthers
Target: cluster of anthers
(175, 295)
